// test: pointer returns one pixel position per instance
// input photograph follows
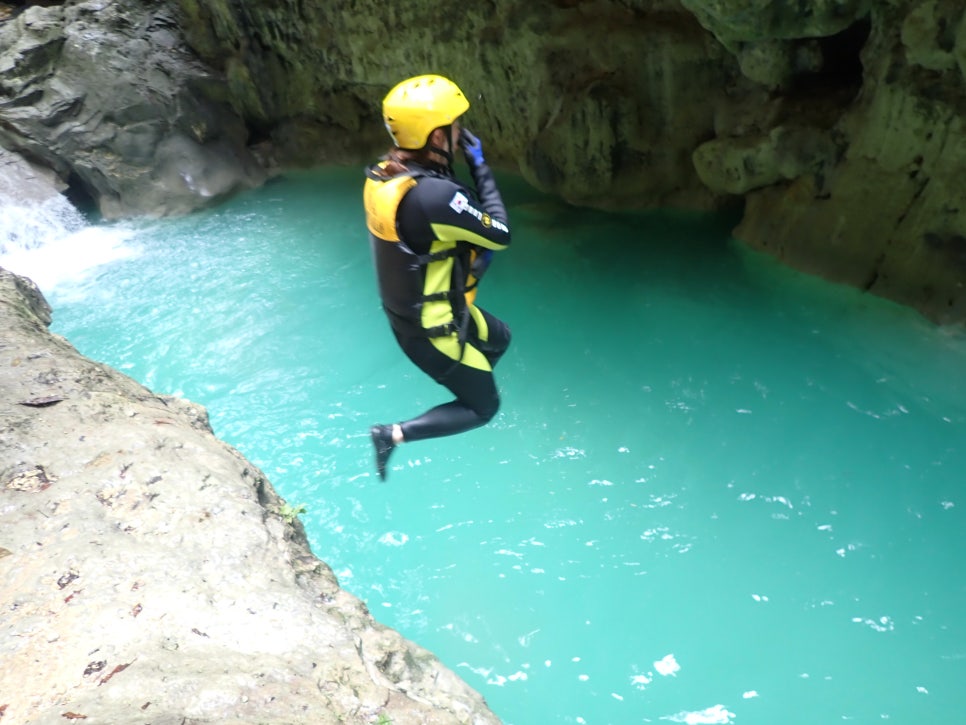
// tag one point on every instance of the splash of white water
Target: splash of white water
(28, 226)
(51, 242)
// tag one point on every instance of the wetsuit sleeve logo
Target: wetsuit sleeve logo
(459, 202)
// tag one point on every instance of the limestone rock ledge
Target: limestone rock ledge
(148, 573)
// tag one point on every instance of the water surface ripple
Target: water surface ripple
(717, 491)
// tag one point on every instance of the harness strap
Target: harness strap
(440, 330)
(425, 259)
(438, 296)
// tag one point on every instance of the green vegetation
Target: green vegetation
(289, 512)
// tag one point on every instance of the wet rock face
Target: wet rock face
(740, 21)
(881, 209)
(149, 573)
(836, 123)
(599, 103)
(26, 183)
(106, 94)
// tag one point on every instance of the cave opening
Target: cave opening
(841, 65)
(80, 197)
(17, 6)
(23, 4)
(12, 8)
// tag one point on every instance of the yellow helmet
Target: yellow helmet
(414, 107)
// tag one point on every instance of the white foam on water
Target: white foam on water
(52, 243)
(394, 538)
(70, 258)
(28, 226)
(667, 666)
(716, 715)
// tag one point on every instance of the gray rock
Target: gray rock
(737, 21)
(150, 574)
(106, 95)
(738, 166)
(846, 112)
(150, 107)
(24, 182)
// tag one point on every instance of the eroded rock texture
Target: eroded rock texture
(837, 123)
(108, 96)
(150, 574)
(886, 213)
(597, 102)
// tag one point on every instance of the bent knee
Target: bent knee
(489, 410)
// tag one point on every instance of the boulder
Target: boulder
(743, 164)
(22, 182)
(107, 96)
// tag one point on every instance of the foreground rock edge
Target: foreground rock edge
(149, 573)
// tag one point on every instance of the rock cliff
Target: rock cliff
(150, 574)
(836, 123)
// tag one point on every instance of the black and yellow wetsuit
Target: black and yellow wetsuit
(426, 229)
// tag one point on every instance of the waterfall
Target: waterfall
(51, 242)
(27, 226)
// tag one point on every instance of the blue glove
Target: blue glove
(480, 264)
(472, 148)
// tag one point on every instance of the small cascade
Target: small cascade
(24, 227)
(51, 242)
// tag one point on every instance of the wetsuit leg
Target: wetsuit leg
(497, 339)
(476, 403)
(477, 399)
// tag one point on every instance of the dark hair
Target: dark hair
(398, 160)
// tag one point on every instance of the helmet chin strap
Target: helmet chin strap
(446, 153)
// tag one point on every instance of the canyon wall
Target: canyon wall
(837, 124)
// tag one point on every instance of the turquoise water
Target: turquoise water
(717, 491)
